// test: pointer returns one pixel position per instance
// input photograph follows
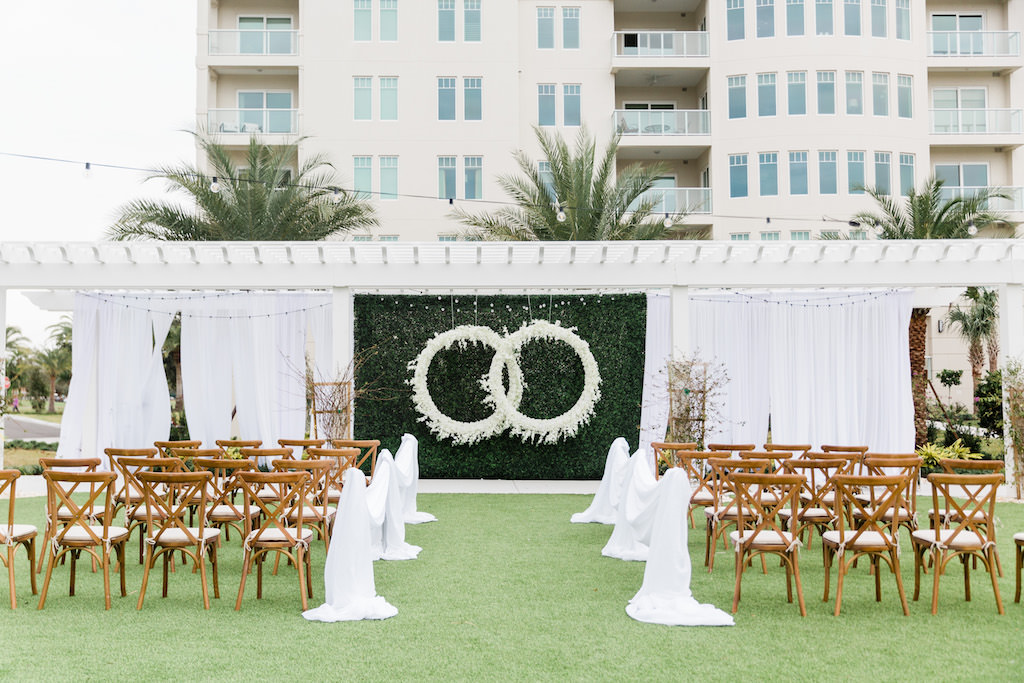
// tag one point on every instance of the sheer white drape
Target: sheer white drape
(83, 378)
(206, 370)
(657, 352)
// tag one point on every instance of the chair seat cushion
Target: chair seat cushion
(176, 536)
(77, 534)
(866, 541)
(219, 513)
(701, 498)
(1019, 538)
(965, 540)
(16, 533)
(275, 535)
(312, 513)
(763, 538)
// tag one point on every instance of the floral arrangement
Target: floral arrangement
(506, 413)
(696, 389)
(233, 453)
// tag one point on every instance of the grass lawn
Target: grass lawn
(507, 588)
(16, 457)
(46, 417)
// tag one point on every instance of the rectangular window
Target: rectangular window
(472, 98)
(547, 178)
(362, 176)
(906, 174)
(571, 28)
(737, 175)
(854, 92)
(571, 104)
(446, 178)
(734, 19)
(880, 94)
(851, 17)
(768, 173)
(794, 17)
(389, 177)
(823, 14)
(855, 172)
(905, 96)
(828, 182)
(883, 172)
(800, 235)
(858, 234)
(546, 104)
(471, 21)
(445, 99)
(737, 97)
(363, 98)
(740, 236)
(903, 19)
(362, 24)
(389, 20)
(826, 92)
(879, 25)
(446, 21)
(766, 94)
(447, 238)
(546, 28)
(474, 167)
(770, 235)
(765, 18)
(798, 172)
(388, 238)
(797, 92)
(388, 98)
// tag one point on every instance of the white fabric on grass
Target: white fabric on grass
(632, 532)
(603, 507)
(407, 469)
(349, 588)
(387, 519)
(665, 597)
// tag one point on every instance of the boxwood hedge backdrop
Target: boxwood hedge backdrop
(390, 331)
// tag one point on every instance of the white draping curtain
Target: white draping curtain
(83, 378)
(657, 352)
(206, 370)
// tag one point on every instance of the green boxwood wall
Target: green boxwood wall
(394, 329)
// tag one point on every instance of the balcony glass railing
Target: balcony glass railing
(273, 121)
(675, 199)
(272, 42)
(630, 122)
(661, 44)
(976, 121)
(974, 44)
(1013, 201)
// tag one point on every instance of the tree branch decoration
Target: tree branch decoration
(1013, 410)
(696, 393)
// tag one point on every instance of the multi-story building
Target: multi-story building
(770, 115)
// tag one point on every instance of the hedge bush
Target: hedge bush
(390, 331)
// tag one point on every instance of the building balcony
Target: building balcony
(663, 58)
(671, 200)
(658, 122)
(971, 127)
(253, 43)
(1012, 204)
(253, 121)
(974, 50)
(661, 44)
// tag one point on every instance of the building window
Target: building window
(883, 172)
(734, 19)
(903, 19)
(363, 98)
(906, 174)
(446, 21)
(828, 235)
(880, 94)
(740, 236)
(362, 176)
(472, 98)
(768, 173)
(471, 21)
(362, 28)
(766, 94)
(797, 92)
(905, 96)
(826, 92)
(794, 17)
(388, 98)
(960, 179)
(571, 104)
(362, 238)
(546, 28)
(851, 17)
(547, 178)
(445, 99)
(737, 97)
(823, 17)
(389, 20)
(879, 26)
(389, 177)
(447, 238)
(546, 104)
(765, 18)
(737, 175)
(854, 92)
(770, 235)
(474, 168)
(800, 234)
(798, 172)
(446, 177)
(571, 28)
(860, 234)
(828, 182)
(855, 172)
(388, 238)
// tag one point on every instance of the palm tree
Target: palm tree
(977, 324)
(257, 200)
(927, 214)
(54, 362)
(581, 198)
(17, 352)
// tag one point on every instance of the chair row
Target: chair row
(296, 448)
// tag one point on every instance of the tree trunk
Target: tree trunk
(993, 351)
(179, 397)
(918, 373)
(976, 357)
(53, 392)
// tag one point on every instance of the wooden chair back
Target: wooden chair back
(319, 476)
(166, 446)
(8, 483)
(844, 449)
(951, 465)
(761, 497)
(368, 450)
(342, 459)
(266, 455)
(876, 526)
(818, 488)
(73, 464)
(273, 529)
(851, 458)
(667, 453)
(732, 447)
(968, 501)
(78, 531)
(901, 464)
(127, 491)
(774, 458)
(797, 448)
(168, 496)
(720, 480)
(297, 446)
(238, 443)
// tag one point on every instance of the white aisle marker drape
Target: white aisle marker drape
(605, 504)
(407, 469)
(632, 532)
(387, 519)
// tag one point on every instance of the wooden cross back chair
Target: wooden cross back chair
(954, 466)
(135, 510)
(852, 459)
(14, 535)
(317, 513)
(875, 534)
(906, 465)
(723, 511)
(817, 494)
(730, 447)
(971, 500)
(128, 493)
(342, 459)
(166, 446)
(668, 453)
(297, 446)
(825, 448)
(1018, 540)
(761, 497)
(238, 443)
(797, 448)
(367, 447)
(224, 508)
(62, 515)
(80, 533)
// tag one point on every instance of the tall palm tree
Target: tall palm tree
(977, 323)
(54, 362)
(581, 198)
(257, 200)
(927, 214)
(16, 357)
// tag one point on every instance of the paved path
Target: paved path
(30, 429)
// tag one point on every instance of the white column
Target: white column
(680, 298)
(1011, 348)
(343, 330)
(3, 364)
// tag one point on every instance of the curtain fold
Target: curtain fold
(206, 370)
(657, 353)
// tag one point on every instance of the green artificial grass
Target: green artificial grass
(507, 588)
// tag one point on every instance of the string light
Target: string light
(214, 186)
(667, 222)
(560, 215)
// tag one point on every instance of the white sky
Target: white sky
(104, 81)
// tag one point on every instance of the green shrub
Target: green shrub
(31, 445)
(30, 470)
(988, 399)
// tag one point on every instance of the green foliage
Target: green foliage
(931, 453)
(31, 445)
(179, 426)
(30, 470)
(399, 327)
(988, 400)
(950, 378)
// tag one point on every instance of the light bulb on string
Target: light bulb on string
(336, 196)
(668, 221)
(972, 229)
(214, 185)
(560, 215)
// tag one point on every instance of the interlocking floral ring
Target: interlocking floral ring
(506, 404)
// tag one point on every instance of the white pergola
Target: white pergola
(345, 268)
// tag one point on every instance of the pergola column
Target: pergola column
(3, 363)
(1011, 348)
(343, 326)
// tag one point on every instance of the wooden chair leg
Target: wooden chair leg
(739, 579)
(938, 560)
(145, 578)
(106, 579)
(841, 567)
(1020, 566)
(201, 560)
(216, 579)
(993, 564)
(10, 575)
(241, 585)
(899, 581)
(300, 564)
(799, 588)
(31, 548)
(71, 580)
